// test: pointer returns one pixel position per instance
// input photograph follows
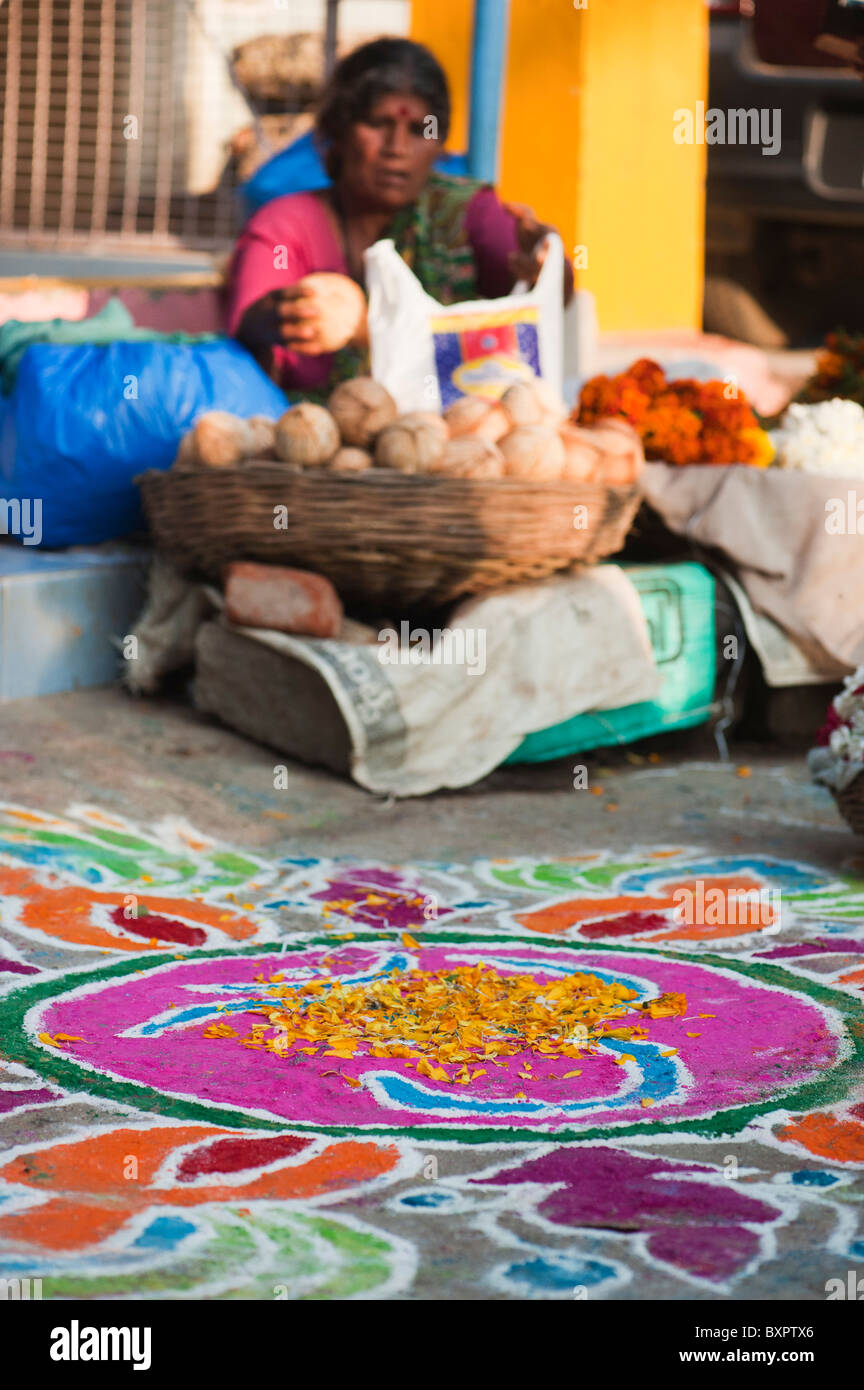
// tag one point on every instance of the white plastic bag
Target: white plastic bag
(429, 355)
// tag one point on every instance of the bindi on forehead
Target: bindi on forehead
(403, 110)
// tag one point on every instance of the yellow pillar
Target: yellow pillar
(587, 140)
(446, 29)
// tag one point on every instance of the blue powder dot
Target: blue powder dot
(164, 1233)
(542, 1273)
(856, 1250)
(426, 1199)
(813, 1177)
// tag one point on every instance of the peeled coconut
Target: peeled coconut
(350, 460)
(550, 402)
(521, 405)
(621, 455)
(474, 416)
(361, 409)
(186, 457)
(410, 445)
(581, 455)
(306, 434)
(263, 437)
(532, 403)
(220, 440)
(615, 425)
(470, 456)
(426, 417)
(535, 452)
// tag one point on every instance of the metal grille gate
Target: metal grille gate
(93, 149)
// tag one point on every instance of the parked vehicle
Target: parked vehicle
(788, 223)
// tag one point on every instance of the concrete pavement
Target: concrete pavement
(749, 1124)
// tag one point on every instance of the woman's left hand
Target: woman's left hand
(322, 313)
(527, 262)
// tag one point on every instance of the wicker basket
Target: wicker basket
(382, 536)
(850, 804)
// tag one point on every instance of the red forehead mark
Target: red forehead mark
(403, 110)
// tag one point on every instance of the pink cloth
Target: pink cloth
(294, 236)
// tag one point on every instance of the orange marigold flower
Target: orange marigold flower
(829, 366)
(756, 447)
(648, 375)
(634, 403)
(603, 396)
(681, 421)
(688, 393)
(721, 447)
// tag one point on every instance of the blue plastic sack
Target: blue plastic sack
(298, 169)
(83, 421)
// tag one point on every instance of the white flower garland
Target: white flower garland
(827, 438)
(842, 760)
(848, 741)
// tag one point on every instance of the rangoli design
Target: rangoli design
(284, 1078)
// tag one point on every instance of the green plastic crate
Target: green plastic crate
(678, 603)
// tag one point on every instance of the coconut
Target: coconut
(521, 405)
(615, 425)
(464, 415)
(361, 409)
(262, 431)
(473, 416)
(307, 434)
(426, 417)
(349, 460)
(533, 403)
(550, 402)
(621, 453)
(410, 445)
(581, 456)
(186, 457)
(471, 456)
(535, 452)
(496, 424)
(221, 440)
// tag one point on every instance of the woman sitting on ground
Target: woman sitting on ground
(296, 294)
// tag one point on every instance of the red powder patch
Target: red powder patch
(628, 924)
(160, 928)
(232, 1155)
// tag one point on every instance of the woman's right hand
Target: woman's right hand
(321, 313)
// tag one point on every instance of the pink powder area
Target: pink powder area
(762, 1042)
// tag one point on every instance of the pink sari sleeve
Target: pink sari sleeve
(269, 254)
(286, 239)
(491, 230)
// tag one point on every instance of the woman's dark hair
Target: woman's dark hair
(370, 72)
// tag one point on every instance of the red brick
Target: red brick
(285, 599)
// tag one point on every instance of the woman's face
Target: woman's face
(387, 157)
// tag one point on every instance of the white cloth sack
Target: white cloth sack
(428, 354)
(782, 660)
(551, 651)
